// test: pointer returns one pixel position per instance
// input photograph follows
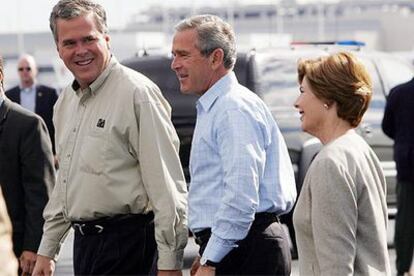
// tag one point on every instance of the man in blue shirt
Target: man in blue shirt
(241, 174)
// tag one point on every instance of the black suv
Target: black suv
(272, 74)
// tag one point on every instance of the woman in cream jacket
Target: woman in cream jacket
(341, 214)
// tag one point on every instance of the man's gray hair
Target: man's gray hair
(69, 9)
(213, 33)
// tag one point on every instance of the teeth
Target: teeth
(85, 62)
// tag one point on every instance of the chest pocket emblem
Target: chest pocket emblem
(101, 123)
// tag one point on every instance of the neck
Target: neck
(27, 84)
(215, 77)
(334, 130)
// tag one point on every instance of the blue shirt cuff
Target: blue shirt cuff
(218, 248)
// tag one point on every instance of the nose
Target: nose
(81, 49)
(175, 63)
(296, 103)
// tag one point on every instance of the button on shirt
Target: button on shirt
(28, 98)
(239, 166)
(118, 154)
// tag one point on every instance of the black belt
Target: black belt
(260, 220)
(106, 224)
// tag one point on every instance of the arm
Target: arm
(241, 146)
(38, 176)
(163, 179)
(388, 121)
(334, 215)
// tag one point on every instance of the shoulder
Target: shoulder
(22, 115)
(135, 82)
(348, 155)
(343, 151)
(12, 91)
(132, 77)
(402, 89)
(45, 88)
(242, 99)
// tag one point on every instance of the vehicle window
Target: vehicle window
(278, 83)
(395, 72)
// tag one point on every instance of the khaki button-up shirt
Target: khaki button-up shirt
(118, 154)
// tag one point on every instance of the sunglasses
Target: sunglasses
(24, 68)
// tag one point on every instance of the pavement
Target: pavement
(64, 266)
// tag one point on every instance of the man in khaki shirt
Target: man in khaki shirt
(117, 149)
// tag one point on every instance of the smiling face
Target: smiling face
(83, 49)
(195, 72)
(313, 111)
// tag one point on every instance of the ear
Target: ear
(216, 58)
(107, 40)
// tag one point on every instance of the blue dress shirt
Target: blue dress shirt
(28, 97)
(239, 166)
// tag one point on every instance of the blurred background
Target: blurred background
(384, 25)
(146, 26)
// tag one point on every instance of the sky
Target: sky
(33, 15)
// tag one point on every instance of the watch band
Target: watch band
(205, 262)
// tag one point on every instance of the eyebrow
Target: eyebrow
(180, 52)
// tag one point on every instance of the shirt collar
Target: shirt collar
(93, 88)
(28, 89)
(221, 87)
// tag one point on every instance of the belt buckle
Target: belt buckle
(80, 227)
(99, 227)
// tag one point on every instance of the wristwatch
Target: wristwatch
(205, 262)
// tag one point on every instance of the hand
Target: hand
(169, 273)
(45, 266)
(195, 266)
(204, 270)
(27, 262)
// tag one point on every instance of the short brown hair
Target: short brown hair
(339, 78)
(69, 9)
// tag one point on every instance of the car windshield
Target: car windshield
(278, 82)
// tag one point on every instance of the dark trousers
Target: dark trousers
(123, 245)
(404, 226)
(265, 250)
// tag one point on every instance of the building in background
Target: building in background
(382, 24)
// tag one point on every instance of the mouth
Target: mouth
(301, 115)
(84, 62)
(181, 76)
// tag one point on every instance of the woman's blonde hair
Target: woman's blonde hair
(342, 79)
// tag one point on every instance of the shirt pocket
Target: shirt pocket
(92, 157)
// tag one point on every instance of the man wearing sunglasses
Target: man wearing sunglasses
(35, 97)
